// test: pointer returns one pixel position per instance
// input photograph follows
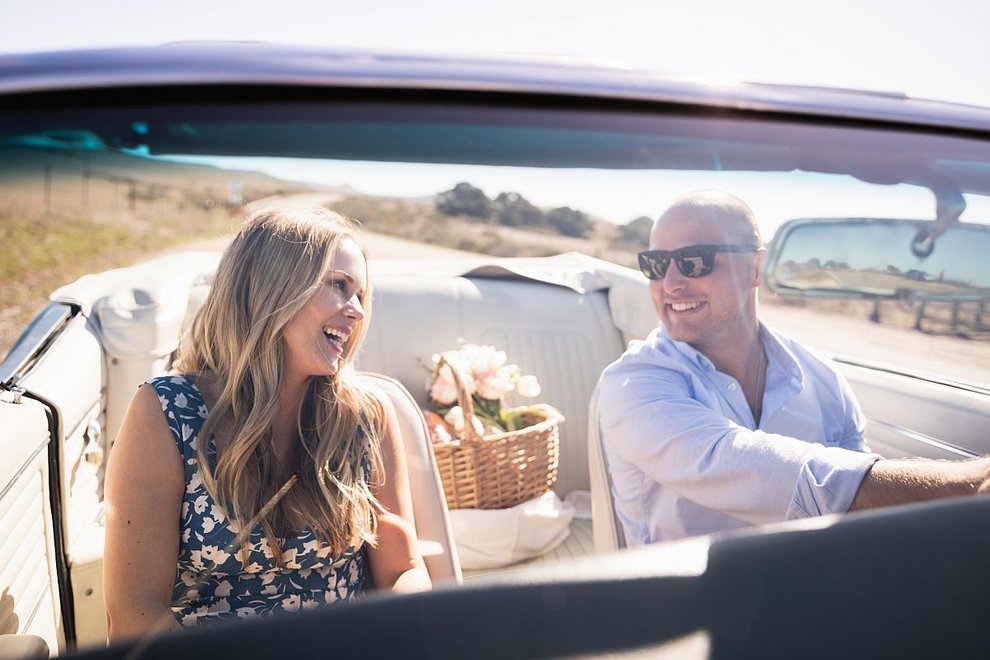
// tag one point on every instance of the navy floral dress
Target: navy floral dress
(212, 583)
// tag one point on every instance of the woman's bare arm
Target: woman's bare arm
(396, 562)
(144, 488)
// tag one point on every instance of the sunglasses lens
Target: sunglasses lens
(696, 263)
(692, 266)
(653, 266)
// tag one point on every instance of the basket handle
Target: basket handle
(464, 399)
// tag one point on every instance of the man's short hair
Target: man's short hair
(722, 207)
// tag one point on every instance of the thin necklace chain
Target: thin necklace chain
(761, 372)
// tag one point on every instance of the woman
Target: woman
(263, 478)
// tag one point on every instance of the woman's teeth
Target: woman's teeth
(337, 337)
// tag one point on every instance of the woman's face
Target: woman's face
(317, 336)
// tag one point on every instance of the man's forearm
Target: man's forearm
(902, 481)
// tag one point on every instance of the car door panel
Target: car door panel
(70, 378)
(29, 590)
(913, 416)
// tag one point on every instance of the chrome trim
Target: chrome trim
(922, 438)
(33, 341)
(6, 488)
(927, 377)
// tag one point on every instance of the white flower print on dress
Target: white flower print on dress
(217, 578)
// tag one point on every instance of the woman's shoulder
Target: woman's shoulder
(180, 399)
(176, 386)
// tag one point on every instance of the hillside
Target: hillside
(68, 212)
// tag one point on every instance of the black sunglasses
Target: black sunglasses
(692, 261)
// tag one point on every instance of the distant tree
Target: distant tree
(569, 222)
(464, 199)
(637, 231)
(514, 210)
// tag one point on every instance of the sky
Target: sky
(927, 48)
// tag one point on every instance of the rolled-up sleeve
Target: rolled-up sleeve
(828, 481)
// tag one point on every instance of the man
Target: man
(716, 422)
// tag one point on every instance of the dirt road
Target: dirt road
(962, 359)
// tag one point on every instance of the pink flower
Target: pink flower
(494, 384)
(443, 390)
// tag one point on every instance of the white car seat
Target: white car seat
(607, 528)
(429, 506)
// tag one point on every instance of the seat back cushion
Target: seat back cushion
(563, 337)
(429, 506)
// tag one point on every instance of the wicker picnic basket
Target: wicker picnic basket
(502, 469)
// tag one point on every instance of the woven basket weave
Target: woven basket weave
(499, 470)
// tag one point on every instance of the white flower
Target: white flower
(528, 386)
(494, 384)
(215, 554)
(482, 359)
(440, 435)
(195, 483)
(455, 417)
(289, 558)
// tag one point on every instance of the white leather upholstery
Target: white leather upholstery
(429, 506)
(564, 337)
(29, 589)
(606, 527)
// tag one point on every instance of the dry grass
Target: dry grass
(418, 219)
(61, 218)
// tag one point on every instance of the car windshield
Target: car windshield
(87, 190)
(503, 217)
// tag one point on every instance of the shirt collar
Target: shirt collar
(688, 352)
(778, 354)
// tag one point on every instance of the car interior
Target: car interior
(69, 377)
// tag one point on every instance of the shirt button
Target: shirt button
(732, 387)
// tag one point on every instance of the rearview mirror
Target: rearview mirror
(873, 258)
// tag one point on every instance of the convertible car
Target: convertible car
(503, 203)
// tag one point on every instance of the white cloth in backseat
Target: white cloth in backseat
(489, 538)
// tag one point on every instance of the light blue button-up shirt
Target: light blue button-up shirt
(686, 456)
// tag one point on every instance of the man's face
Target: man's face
(718, 307)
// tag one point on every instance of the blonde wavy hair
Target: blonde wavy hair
(270, 271)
